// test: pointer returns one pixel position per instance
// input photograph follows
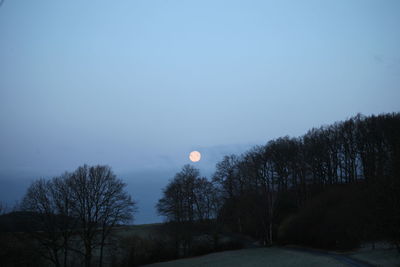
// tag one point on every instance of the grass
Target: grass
(254, 257)
(379, 257)
(142, 230)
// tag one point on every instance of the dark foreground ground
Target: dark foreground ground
(289, 256)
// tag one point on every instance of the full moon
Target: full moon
(195, 156)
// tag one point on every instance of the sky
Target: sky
(137, 85)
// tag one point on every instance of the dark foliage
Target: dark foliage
(136, 251)
(335, 219)
(26, 221)
(18, 250)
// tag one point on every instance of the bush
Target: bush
(18, 250)
(135, 251)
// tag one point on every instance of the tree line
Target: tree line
(271, 190)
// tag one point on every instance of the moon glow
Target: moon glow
(195, 156)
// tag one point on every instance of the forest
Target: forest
(334, 187)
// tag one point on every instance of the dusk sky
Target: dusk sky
(137, 85)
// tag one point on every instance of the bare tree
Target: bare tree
(226, 176)
(187, 200)
(40, 200)
(61, 193)
(178, 202)
(99, 202)
(206, 200)
(90, 202)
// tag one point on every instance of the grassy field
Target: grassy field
(142, 230)
(254, 257)
(379, 257)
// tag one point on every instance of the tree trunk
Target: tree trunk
(240, 225)
(88, 256)
(56, 260)
(65, 251)
(65, 256)
(101, 251)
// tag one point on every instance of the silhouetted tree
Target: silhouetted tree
(88, 202)
(99, 202)
(50, 217)
(187, 199)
